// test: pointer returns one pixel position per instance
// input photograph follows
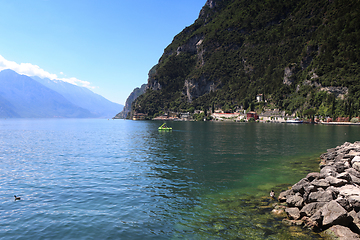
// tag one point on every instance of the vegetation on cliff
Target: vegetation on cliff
(303, 56)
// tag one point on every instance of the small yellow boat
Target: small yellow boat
(164, 128)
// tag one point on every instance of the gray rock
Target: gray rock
(356, 166)
(321, 196)
(349, 190)
(334, 214)
(309, 209)
(354, 179)
(328, 171)
(293, 213)
(353, 172)
(299, 186)
(283, 195)
(336, 182)
(310, 223)
(312, 176)
(342, 233)
(355, 202)
(341, 165)
(344, 202)
(356, 218)
(317, 216)
(321, 183)
(355, 159)
(295, 200)
(345, 175)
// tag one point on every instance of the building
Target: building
(252, 115)
(139, 116)
(259, 98)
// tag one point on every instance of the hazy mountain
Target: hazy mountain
(22, 96)
(83, 97)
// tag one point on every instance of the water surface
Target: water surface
(117, 179)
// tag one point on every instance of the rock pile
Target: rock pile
(329, 199)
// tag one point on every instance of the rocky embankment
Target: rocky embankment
(328, 200)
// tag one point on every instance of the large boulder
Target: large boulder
(295, 200)
(336, 182)
(312, 176)
(299, 186)
(334, 214)
(355, 202)
(342, 233)
(349, 190)
(321, 183)
(328, 171)
(309, 209)
(321, 196)
(283, 195)
(293, 213)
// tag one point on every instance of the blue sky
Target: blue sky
(108, 46)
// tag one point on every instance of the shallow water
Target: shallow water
(105, 179)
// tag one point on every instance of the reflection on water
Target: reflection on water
(81, 178)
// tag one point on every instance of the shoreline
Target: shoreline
(327, 201)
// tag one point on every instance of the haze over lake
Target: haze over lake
(117, 179)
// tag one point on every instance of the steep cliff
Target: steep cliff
(131, 98)
(293, 52)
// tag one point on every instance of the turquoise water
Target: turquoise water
(117, 179)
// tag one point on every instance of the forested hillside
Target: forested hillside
(302, 55)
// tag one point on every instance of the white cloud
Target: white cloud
(31, 70)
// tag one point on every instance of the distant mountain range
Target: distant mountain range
(25, 97)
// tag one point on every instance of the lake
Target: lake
(120, 179)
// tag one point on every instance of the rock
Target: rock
(349, 190)
(321, 183)
(330, 198)
(293, 213)
(278, 212)
(355, 202)
(342, 233)
(356, 218)
(355, 159)
(309, 223)
(334, 214)
(353, 153)
(321, 196)
(353, 172)
(295, 200)
(335, 181)
(328, 171)
(344, 203)
(345, 175)
(341, 165)
(354, 179)
(309, 209)
(299, 186)
(356, 166)
(317, 216)
(283, 195)
(312, 176)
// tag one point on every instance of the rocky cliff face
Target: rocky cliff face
(289, 51)
(127, 108)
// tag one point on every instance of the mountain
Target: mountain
(99, 106)
(131, 98)
(301, 55)
(23, 97)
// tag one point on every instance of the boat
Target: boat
(163, 127)
(296, 120)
